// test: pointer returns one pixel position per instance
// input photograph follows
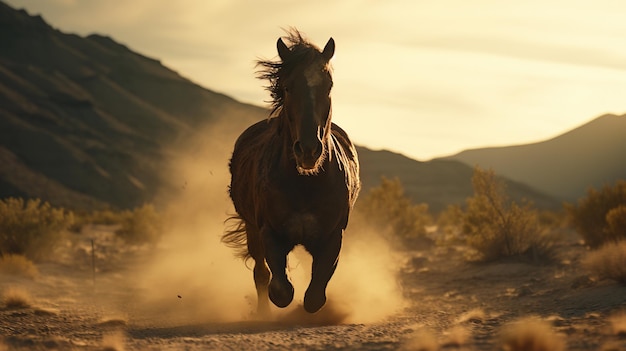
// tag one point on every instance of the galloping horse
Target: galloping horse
(294, 177)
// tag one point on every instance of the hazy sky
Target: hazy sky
(424, 78)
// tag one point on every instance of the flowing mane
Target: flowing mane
(302, 51)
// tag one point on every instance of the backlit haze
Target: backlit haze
(423, 78)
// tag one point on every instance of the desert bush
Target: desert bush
(497, 227)
(16, 298)
(590, 215)
(140, 226)
(18, 265)
(616, 223)
(530, 334)
(31, 228)
(388, 209)
(608, 262)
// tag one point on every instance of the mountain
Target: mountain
(438, 183)
(86, 122)
(564, 167)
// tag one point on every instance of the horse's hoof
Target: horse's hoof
(313, 304)
(281, 295)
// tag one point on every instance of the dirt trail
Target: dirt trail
(449, 302)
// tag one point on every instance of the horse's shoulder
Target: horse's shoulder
(254, 131)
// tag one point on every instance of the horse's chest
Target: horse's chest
(304, 212)
(302, 227)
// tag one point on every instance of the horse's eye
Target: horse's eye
(286, 89)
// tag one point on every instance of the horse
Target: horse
(294, 177)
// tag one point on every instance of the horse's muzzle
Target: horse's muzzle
(307, 155)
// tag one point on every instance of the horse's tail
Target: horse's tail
(235, 237)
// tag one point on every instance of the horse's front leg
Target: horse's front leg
(261, 272)
(276, 251)
(325, 257)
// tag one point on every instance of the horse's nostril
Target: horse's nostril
(313, 151)
(297, 148)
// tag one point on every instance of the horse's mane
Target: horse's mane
(302, 51)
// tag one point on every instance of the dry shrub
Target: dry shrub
(15, 297)
(387, 209)
(616, 223)
(32, 227)
(609, 261)
(530, 334)
(497, 227)
(18, 265)
(140, 226)
(591, 215)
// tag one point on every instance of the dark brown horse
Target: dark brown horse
(295, 177)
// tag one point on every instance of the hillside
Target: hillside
(565, 166)
(438, 182)
(86, 122)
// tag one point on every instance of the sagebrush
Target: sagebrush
(140, 226)
(497, 227)
(600, 217)
(530, 334)
(18, 265)
(387, 209)
(32, 227)
(609, 261)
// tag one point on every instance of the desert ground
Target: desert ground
(189, 292)
(183, 296)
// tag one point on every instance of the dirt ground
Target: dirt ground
(446, 304)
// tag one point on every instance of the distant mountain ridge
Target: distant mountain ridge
(87, 123)
(564, 167)
(438, 183)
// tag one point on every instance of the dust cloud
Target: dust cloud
(194, 277)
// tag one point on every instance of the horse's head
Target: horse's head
(306, 83)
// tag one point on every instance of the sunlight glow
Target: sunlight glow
(423, 78)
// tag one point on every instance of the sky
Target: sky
(419, 77)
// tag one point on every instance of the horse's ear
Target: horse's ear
(329, 49)
(283, 50)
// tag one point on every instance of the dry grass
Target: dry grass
(608, 262)
(18, 265)
(530, 334)
(15, 298)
